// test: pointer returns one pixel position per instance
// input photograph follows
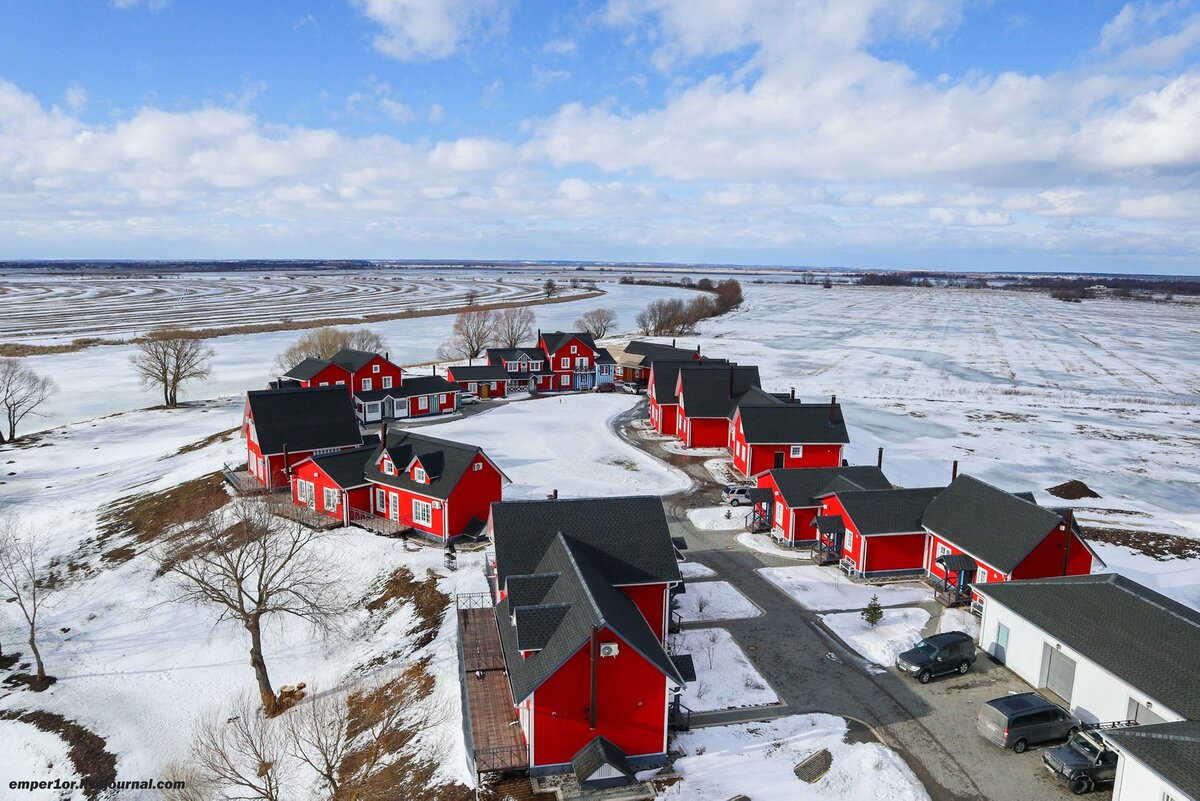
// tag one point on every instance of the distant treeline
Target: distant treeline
(1120, 287)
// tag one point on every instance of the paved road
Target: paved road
(932, 727)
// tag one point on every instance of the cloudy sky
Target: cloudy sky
(948, 134)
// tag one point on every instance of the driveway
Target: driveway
(931, 726)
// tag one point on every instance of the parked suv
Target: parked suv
(952, 651)
(735, 495)
(1017, 721)
(633, 388)
(1084, 763)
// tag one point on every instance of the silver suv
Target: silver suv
(1020, 720)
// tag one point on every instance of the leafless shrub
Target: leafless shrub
(244, 755)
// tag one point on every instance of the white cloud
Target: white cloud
(76, 97)
(419, 30)
(436, 112)
(396, 111)
(560, 47)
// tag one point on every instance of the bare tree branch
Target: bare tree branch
(470, 336)
(22, 391)
(167, 359)
(512, 327)
(244, 754)
(26, 578)
(322, 343)
(597, 322)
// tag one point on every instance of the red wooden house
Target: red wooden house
(435, 487)
(581, 589)
(483, 380)
(635, 359)
(526, 368)
(766, 436)
(575, 360)
(358, 370)
(981, 534)
(284, 426)
(875, 532)
(418, 396)
(335, 484)
(707, 398)
(798, 496)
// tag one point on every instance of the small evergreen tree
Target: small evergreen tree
(873, 614)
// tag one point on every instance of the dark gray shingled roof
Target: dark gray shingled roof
(307, 368)
(830, 524)
(604, 357)
(686, 666)
(352, 360)
(666, 376)
(1133, 632)
(793, 423)
(992, 525)
(420, 385)
(556, 339)
(626, 538)
(443, 460)
(714, 393)
(595, 755)
(303, 419)
(1172, 750)
(590, 601)
(801, 486)
(496, 355)
(652, 352)
(477, 372)
(347, 468)
(888, 511)
(531, 589)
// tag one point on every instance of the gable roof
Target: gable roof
(595, 755)
(346, 468)
(626, 538)
(496, 355)
(411, 387)
(802, 486)
(1108, 619)
(666, 377)
(444, 462)
(307, 369)
(580, 599)
(715, 393)
(477, 372)
(644, 354)
(553, 340)
(303, 419)
(793, 423)
(352, 360)
(990, 524)
(887, 511)
(1172, 750)
(604, 357)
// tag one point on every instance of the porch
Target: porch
(307, 516)
(493, 729)
(243, 482)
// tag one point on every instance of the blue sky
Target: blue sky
(949, 134)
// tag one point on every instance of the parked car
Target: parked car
(1084, 763)
(949, 652)
(633, 388)
(606, 387)
(1017, 721)
(467, 398)
(736, 495)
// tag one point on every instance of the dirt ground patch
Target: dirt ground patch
(211, 439)
(1155, 544)
(428, 601)
(142, 519)
(1072, 490)
(96, 766)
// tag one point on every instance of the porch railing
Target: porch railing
(501, 758)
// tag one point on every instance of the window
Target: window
(419, 475)
(445, 398)
(477, 466)
(341, 383)
(535, 366)
(324, 383)
(380, 500)
(849, 541)
(566, 362)
(566, 379)
(331, 499)
(422, 513)
(942, 550)
(372, 408)
(388, 467)
(366, 385)
(797, 451)
(574, 349)
(779, 514)
(375, 368)
(423, 402)
(387, 382)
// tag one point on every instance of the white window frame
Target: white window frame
(374, 368)
(422, 512)
(367, 384)
(849, 541)
(797, 451)
(574, 349)
(419, 475)
(940, 550)
(445, 398)
(477, 466)
(330, 492)
(386, 381)
(779, 515)
(565, 381)
(380, 500)
(566, 362)
(341, 383)
(423, 403)
(388, 467)
(535, 366)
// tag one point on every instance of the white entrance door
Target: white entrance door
(1060, 674)
(394, 507)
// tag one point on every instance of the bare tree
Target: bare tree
(550, 288)
(253, 566)
(322, 343)
(512, 326)
(169, 357)
(22, 391)
(25, 577)
(470, 336)
(243, 755)
(472, 297)
(597, 322)
(318, 734)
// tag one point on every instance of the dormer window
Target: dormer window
(388, 467)
(419, 475)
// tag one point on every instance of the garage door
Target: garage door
(1143, 715)
(1060, 678)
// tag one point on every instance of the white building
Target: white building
(1158, 763)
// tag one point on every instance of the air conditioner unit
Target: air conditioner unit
(609, 649)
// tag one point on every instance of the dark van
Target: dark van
(1017, 721)
(949, 652)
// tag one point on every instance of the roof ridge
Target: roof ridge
(587, 588)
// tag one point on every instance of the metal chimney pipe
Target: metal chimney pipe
(793, 394)
(879, 459)
(833, 408)
(954, 470)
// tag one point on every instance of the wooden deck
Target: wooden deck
(497, 742)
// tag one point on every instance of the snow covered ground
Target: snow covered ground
(764, 544)
(725, 679)
(714, 600)
(959, 619)
(718, 518)
(825, 588)
(757, 760)
(695, 570)
(564, 443)
(899, 630)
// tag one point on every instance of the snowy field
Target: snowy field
(714, 600)
(564, 443)
(246, 361)
(824, 588)
(757, 761)
(898, 631)
(725, 679)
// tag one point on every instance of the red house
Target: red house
(575, 360)
(636, 358)
(981, 534)
(661, 388)
(798, 496)
(483, 380)
(707, 399)
(282, 427)
(875, 532)
(358, 370)
(418, 396)
(765, 436)
(525, 367)
(335, 484)
(581, 589)
(435, 487)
